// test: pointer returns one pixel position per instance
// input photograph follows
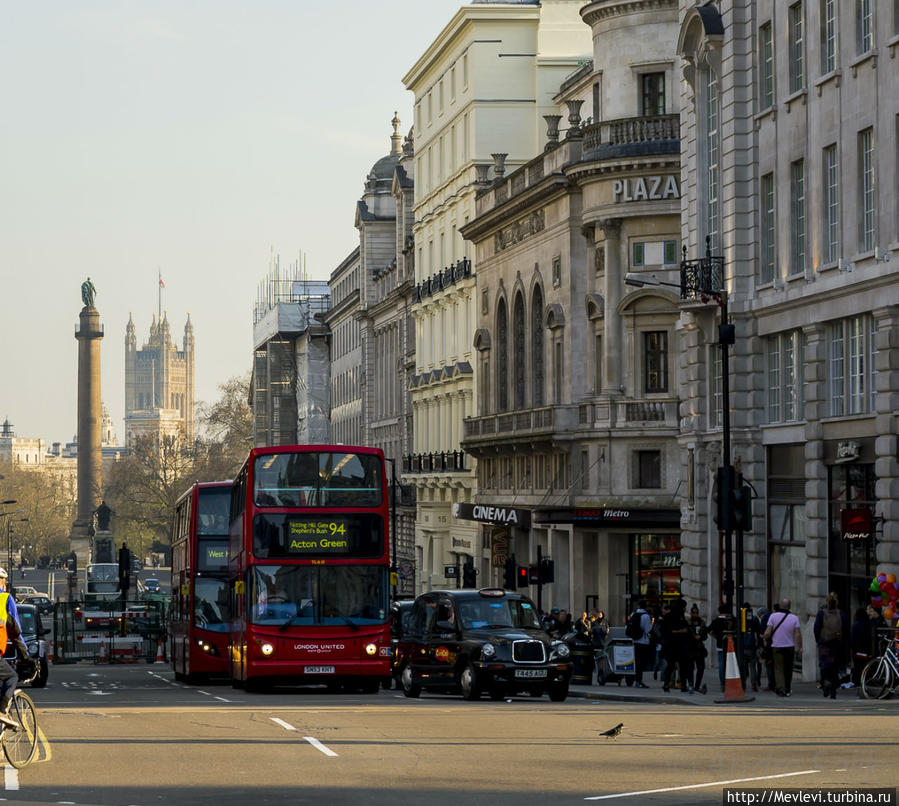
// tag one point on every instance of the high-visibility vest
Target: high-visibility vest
(4, 614)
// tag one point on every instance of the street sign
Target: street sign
(450, 572)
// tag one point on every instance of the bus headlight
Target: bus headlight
(371, 649)
(267, 649)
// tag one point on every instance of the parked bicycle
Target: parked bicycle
(880, 677)
(20, 742)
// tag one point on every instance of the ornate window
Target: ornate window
(538, 351)
(502, 357)
(518, 348)
(710, 152)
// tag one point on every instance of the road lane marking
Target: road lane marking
(702, 786)
(223, 699)
(282, 723)
(200, 691)
(11, 778)
(319, 746)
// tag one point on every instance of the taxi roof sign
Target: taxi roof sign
(492, 592)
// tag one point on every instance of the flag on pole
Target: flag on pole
(161, 284)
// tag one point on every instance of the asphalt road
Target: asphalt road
(40, 579)
(129, 734)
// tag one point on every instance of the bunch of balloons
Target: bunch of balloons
(885, 594)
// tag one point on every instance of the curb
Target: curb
(622, 697)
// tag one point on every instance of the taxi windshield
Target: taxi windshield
(478, 613)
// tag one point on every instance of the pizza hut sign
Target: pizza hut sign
(856, 524)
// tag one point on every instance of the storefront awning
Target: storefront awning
(610, 516)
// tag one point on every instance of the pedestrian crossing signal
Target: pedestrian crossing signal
(524, 576)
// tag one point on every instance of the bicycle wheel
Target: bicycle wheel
(877, 679)
(20, 744)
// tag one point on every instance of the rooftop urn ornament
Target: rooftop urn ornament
(499, 164)
(396, 139)
(574, 118)
(88, 292)
(552, 131)
(481, 174)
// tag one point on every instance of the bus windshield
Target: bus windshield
(103, 572)
(318, 479)
(333, 595)
(213, 511)
(211, 610)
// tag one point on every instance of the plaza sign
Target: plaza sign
(645, 188)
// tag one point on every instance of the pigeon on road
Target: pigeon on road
(612, 733)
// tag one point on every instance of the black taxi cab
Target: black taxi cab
(474, 641)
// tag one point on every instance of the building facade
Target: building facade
(479, 91)
(577, 409)
(159, 382)
(790, 114)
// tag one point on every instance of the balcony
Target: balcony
(629, 413)
(658, 134)
(442, 280)
(442, 462)
(525, 425)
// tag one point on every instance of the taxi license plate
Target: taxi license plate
(530, 672)
(318, 670)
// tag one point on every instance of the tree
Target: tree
(226, 430)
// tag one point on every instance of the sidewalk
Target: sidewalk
(803, 694)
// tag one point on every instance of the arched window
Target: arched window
(518, 348)
(537, 339)
(502, 357)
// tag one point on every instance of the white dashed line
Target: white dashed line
(319, 746)
(282, 723)
(223, 699)
(702, 786)
(204, 692)
(11, 778)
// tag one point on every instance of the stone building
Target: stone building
(20, 451)
(159, 382)
(480, 88)
(790, 170)
(576, 425)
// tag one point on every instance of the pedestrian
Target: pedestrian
(831, 631)
(677, 642)
(751, 641)
(565, 625)
(700, 633)
(599, 631)
(767, 656)
(658, 666)
(582, 626)
(785, 637)
(860, 644)
(9, 626)
(877, 622)
(638, 629)
(721, 627)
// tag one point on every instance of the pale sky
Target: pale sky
(189, 136)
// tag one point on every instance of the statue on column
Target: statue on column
(88, 292)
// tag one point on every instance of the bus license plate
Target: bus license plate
(318, 670)
(530, 672)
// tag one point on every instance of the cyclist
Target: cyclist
(9, 623)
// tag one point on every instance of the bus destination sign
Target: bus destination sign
(325, 535)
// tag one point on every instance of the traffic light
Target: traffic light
(509, 581)
(533, 575)
(124, 570)
(725, 484)
(524, 576)
(72, 563)
(547, 571)
(741, 507)
(469, 575)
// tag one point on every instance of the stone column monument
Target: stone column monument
(90, 479)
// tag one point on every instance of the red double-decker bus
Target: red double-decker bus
(309, 567)
(200, 614)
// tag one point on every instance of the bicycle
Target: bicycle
(20, 743)
(880, 676)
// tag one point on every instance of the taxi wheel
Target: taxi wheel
(468, 683)
(558, 692)
(410, 688)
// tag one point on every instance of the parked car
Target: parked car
(26, 590)
(43, 603)
(33, 633)
(471, 641)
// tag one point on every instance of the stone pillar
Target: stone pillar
(90, 481)
(613, 281)
(886, 463)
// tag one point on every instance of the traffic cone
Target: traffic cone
(50, 652)
(733, 682)
(160, 656)
(103, 657)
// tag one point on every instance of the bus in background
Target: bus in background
(101, 582)
(309, 568)
(199, 617)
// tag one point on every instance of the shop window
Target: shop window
(648, 470)
(787, 524)
(851, 564)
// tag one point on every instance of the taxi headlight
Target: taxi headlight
(371, 649)
(267, 649)
(33, 649)
(561, 650)
(488, 650)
